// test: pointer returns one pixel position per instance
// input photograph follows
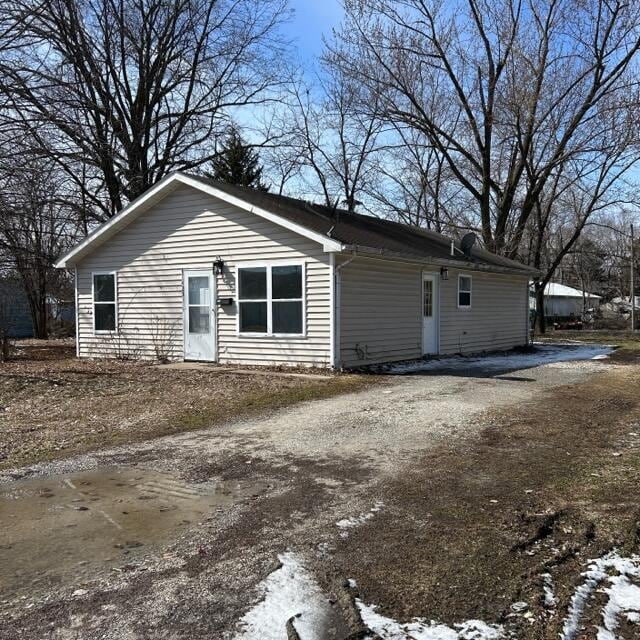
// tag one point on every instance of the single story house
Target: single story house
(195, 269)
(561, 301)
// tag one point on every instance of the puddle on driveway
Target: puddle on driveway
(60, 528)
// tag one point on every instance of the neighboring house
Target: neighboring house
(15, 316)
(199, 270)
(561, 301)
(60, 310)
(623, 304)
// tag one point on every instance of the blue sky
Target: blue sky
(311, 20)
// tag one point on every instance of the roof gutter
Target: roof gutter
(444, 262)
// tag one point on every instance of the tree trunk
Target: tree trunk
(541, 321)
(5, 345)
(36, 290)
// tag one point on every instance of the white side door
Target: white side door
(430, 313)
(199, 318)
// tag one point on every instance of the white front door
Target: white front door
(199, 320)
(430, 313)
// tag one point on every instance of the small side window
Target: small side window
(104, 302)
(464, 291)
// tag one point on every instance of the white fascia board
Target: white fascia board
(169, 183)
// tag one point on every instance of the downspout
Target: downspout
(337, 309)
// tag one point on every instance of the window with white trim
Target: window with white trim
(464, 291)
(270, 299)
(105, 310)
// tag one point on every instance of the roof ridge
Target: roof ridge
(323, 209)
(268, 194)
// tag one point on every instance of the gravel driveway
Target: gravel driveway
(322, 473)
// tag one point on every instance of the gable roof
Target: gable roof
(554, 289)
(335, 229)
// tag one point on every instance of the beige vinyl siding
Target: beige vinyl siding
(496, 320)
(188, 230)
(380, 311)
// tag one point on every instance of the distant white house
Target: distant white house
(561, 301)
(623, 304)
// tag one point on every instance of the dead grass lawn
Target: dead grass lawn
(547, 486)
(53, 405)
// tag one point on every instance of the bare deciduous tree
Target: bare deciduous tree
(506, 91)
(329, 140)
(122, 92)
(36, 226)
(580, 188)
(411, 183)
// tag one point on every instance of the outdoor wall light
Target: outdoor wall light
(218, 266)
(444, 273)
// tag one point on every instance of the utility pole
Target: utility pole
(633, 288)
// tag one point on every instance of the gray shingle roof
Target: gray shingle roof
(361, 230)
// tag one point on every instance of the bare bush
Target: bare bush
(163, 337)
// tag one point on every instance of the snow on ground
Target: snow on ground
(292, 591)
(619, 579)
(545, 353)
(419, 629)
(356, 521)
(288, 591)
(550, 599)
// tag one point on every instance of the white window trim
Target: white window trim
(268, 266)
(97, 332)
(470, 292)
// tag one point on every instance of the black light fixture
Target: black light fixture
(218, 265)
(444, 273)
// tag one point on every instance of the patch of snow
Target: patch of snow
(289, 591)
(356, 521)
(617, 573)
(633, 617)
(420, 629)
(624, 599)
(352, 583)
(544, 354)
(550, 599)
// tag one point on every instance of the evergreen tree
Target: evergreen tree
(237, 163)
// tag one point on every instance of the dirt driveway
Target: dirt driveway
(473, 499)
